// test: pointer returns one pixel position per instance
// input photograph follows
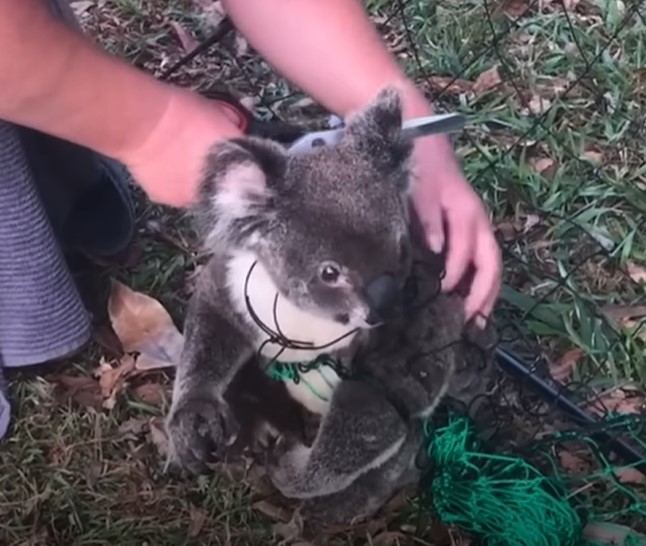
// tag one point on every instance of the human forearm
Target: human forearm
(332, 51)
(56, 81)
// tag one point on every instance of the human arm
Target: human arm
(55, 80)
(331, 50)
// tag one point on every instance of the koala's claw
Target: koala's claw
(199, 431)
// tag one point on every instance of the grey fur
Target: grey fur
(345, 204)
(369, 445)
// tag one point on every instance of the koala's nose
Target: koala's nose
(382, 294)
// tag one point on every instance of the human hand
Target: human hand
(443, 198)
(168, 164)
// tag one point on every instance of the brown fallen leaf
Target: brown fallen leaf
(276, 513)
(112, 378)
(486, 81)
(197, 519)
(599, 532)
(620, 313)
(537, 105)
(637, 272)
(630, 475)
(133, 427)
(594, 156)
(572, 463)
(515, 8)
(389, 538)
(569, 5)
(212, 12)
(628, 317)
(82, 390)
(531, 221)
(542, 165)
(291, 530)
(444, 84)
(562, 369)
(507, 230)
(189, 43)
(158, 436)
(619, 400)
(145, 327)
(241, 45)
(80, 7)
(150, 393)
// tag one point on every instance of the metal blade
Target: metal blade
(412, 128)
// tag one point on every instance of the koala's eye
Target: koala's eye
(329, 273)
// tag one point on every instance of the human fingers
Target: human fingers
(461, 242)
(486, 283)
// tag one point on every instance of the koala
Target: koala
(370, 443)
(309, 255)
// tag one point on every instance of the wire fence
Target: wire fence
(555, 92)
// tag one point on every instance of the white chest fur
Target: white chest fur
(294, 323)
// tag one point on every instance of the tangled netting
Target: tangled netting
(550, 450)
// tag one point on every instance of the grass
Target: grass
(565, 188)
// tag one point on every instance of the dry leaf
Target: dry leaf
(290, 530)
(82, 390)
(79, 8)
(133, 427)
(111, 379)
(144, 326)
(593, 156)
(185, 38)
(617, 401)
(515, 8)
(150, 393)
(158, 435)
(570, 4)
(241, 45)
(249, 103)
(531, 220)
(562, 369)
(508, 230)
(487, 80)
(572, 463)
(212, 12)
(541, 165)
(303, 103)
(628, 317)
(637, 272)
(630, 475)
(443, 84)
(599, 532)
(276, 513)
(198, 518)
(389, 538)
(537, 105)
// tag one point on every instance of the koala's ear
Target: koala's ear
(377, 128)
(238, 176)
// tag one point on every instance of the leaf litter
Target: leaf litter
(143, 326)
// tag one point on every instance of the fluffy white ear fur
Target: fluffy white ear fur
(239, 187)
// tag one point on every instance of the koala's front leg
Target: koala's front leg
(200, 423)
(360, 432)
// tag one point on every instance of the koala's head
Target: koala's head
(329, 225)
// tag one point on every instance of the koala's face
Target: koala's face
(330, 225)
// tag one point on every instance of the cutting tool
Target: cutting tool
(412, 128)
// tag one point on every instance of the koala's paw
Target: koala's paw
(285, 465)
(199, 431)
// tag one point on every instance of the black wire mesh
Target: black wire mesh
(555, 94)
